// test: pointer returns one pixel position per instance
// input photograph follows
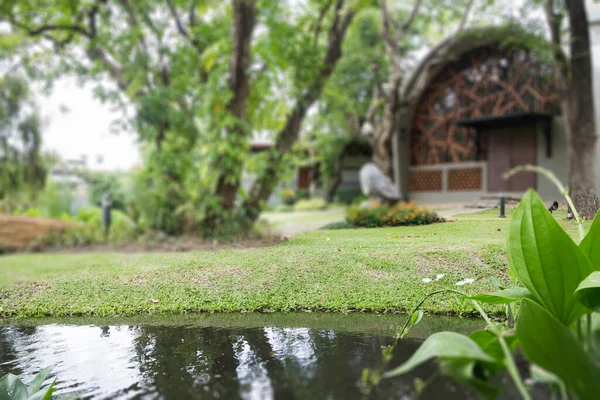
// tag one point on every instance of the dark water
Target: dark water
(252, 356)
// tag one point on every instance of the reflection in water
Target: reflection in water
(175, 362)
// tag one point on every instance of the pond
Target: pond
(222, 356)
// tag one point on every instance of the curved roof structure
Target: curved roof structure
(453, 47)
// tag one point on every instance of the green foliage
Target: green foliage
(22, 168)
(12, 388)
(588, 291)
(553, 346)
(87, 229)
(590, 245)
(105, 183)
(378, 215)
(544, 258)
(446, 345)
(560, 288)
(158, 194)
(302, 194)
(288, 197)
(56, 200)
(505, 296)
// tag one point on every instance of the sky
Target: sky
(84, 129)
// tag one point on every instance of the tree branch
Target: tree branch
(192, 14)
(288, 135)
(143, 46)
(319, 25)
(465, 17)
(554, 24)
(178, 22)
(412, 16)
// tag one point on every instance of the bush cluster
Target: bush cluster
(288, 197)
(87, 229)
(376, 215)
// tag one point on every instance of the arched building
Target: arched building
(479, 105)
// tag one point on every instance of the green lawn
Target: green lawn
(339, 270)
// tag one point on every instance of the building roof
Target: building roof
(453, 47)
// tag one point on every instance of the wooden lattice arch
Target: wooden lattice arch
(482, 83)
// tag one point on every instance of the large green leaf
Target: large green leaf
(446, 345)
(552, 346)
(545, 259)
(38, 380)
(45, 394)
(11, 388)
(502, 296)
(590, 245)
(588, 291)
(468, 373)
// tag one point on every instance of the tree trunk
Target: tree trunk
(336, 178)
(580, 114)
(229, 168)
(264, 185)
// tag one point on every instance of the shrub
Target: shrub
(396, 215)
(311, 205)
(88, 229)
(288, 196)
(105, 183)
(57, 199)
(34, 213)
(302, 194)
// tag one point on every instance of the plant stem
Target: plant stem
(589, 332)
(561, 188)
(419, 306)
(509, 361)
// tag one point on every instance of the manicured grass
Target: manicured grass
(338, 270)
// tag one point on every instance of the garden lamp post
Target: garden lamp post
(502, 206)
(106, 207)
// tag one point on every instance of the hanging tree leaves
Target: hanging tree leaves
(21, 165)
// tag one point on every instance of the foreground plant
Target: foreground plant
(554, 309)
(12, 388)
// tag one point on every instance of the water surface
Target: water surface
(247, 356)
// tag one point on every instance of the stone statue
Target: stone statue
(377, 185)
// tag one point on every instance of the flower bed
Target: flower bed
(377, 215)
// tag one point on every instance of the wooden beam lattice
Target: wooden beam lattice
(485, 82)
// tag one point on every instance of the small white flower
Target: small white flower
(438, 277)
(460, 283)
(469, 280)
(328, 239)
(426, 280)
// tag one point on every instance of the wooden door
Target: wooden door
(509, 147)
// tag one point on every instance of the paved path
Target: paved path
(289, 224)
